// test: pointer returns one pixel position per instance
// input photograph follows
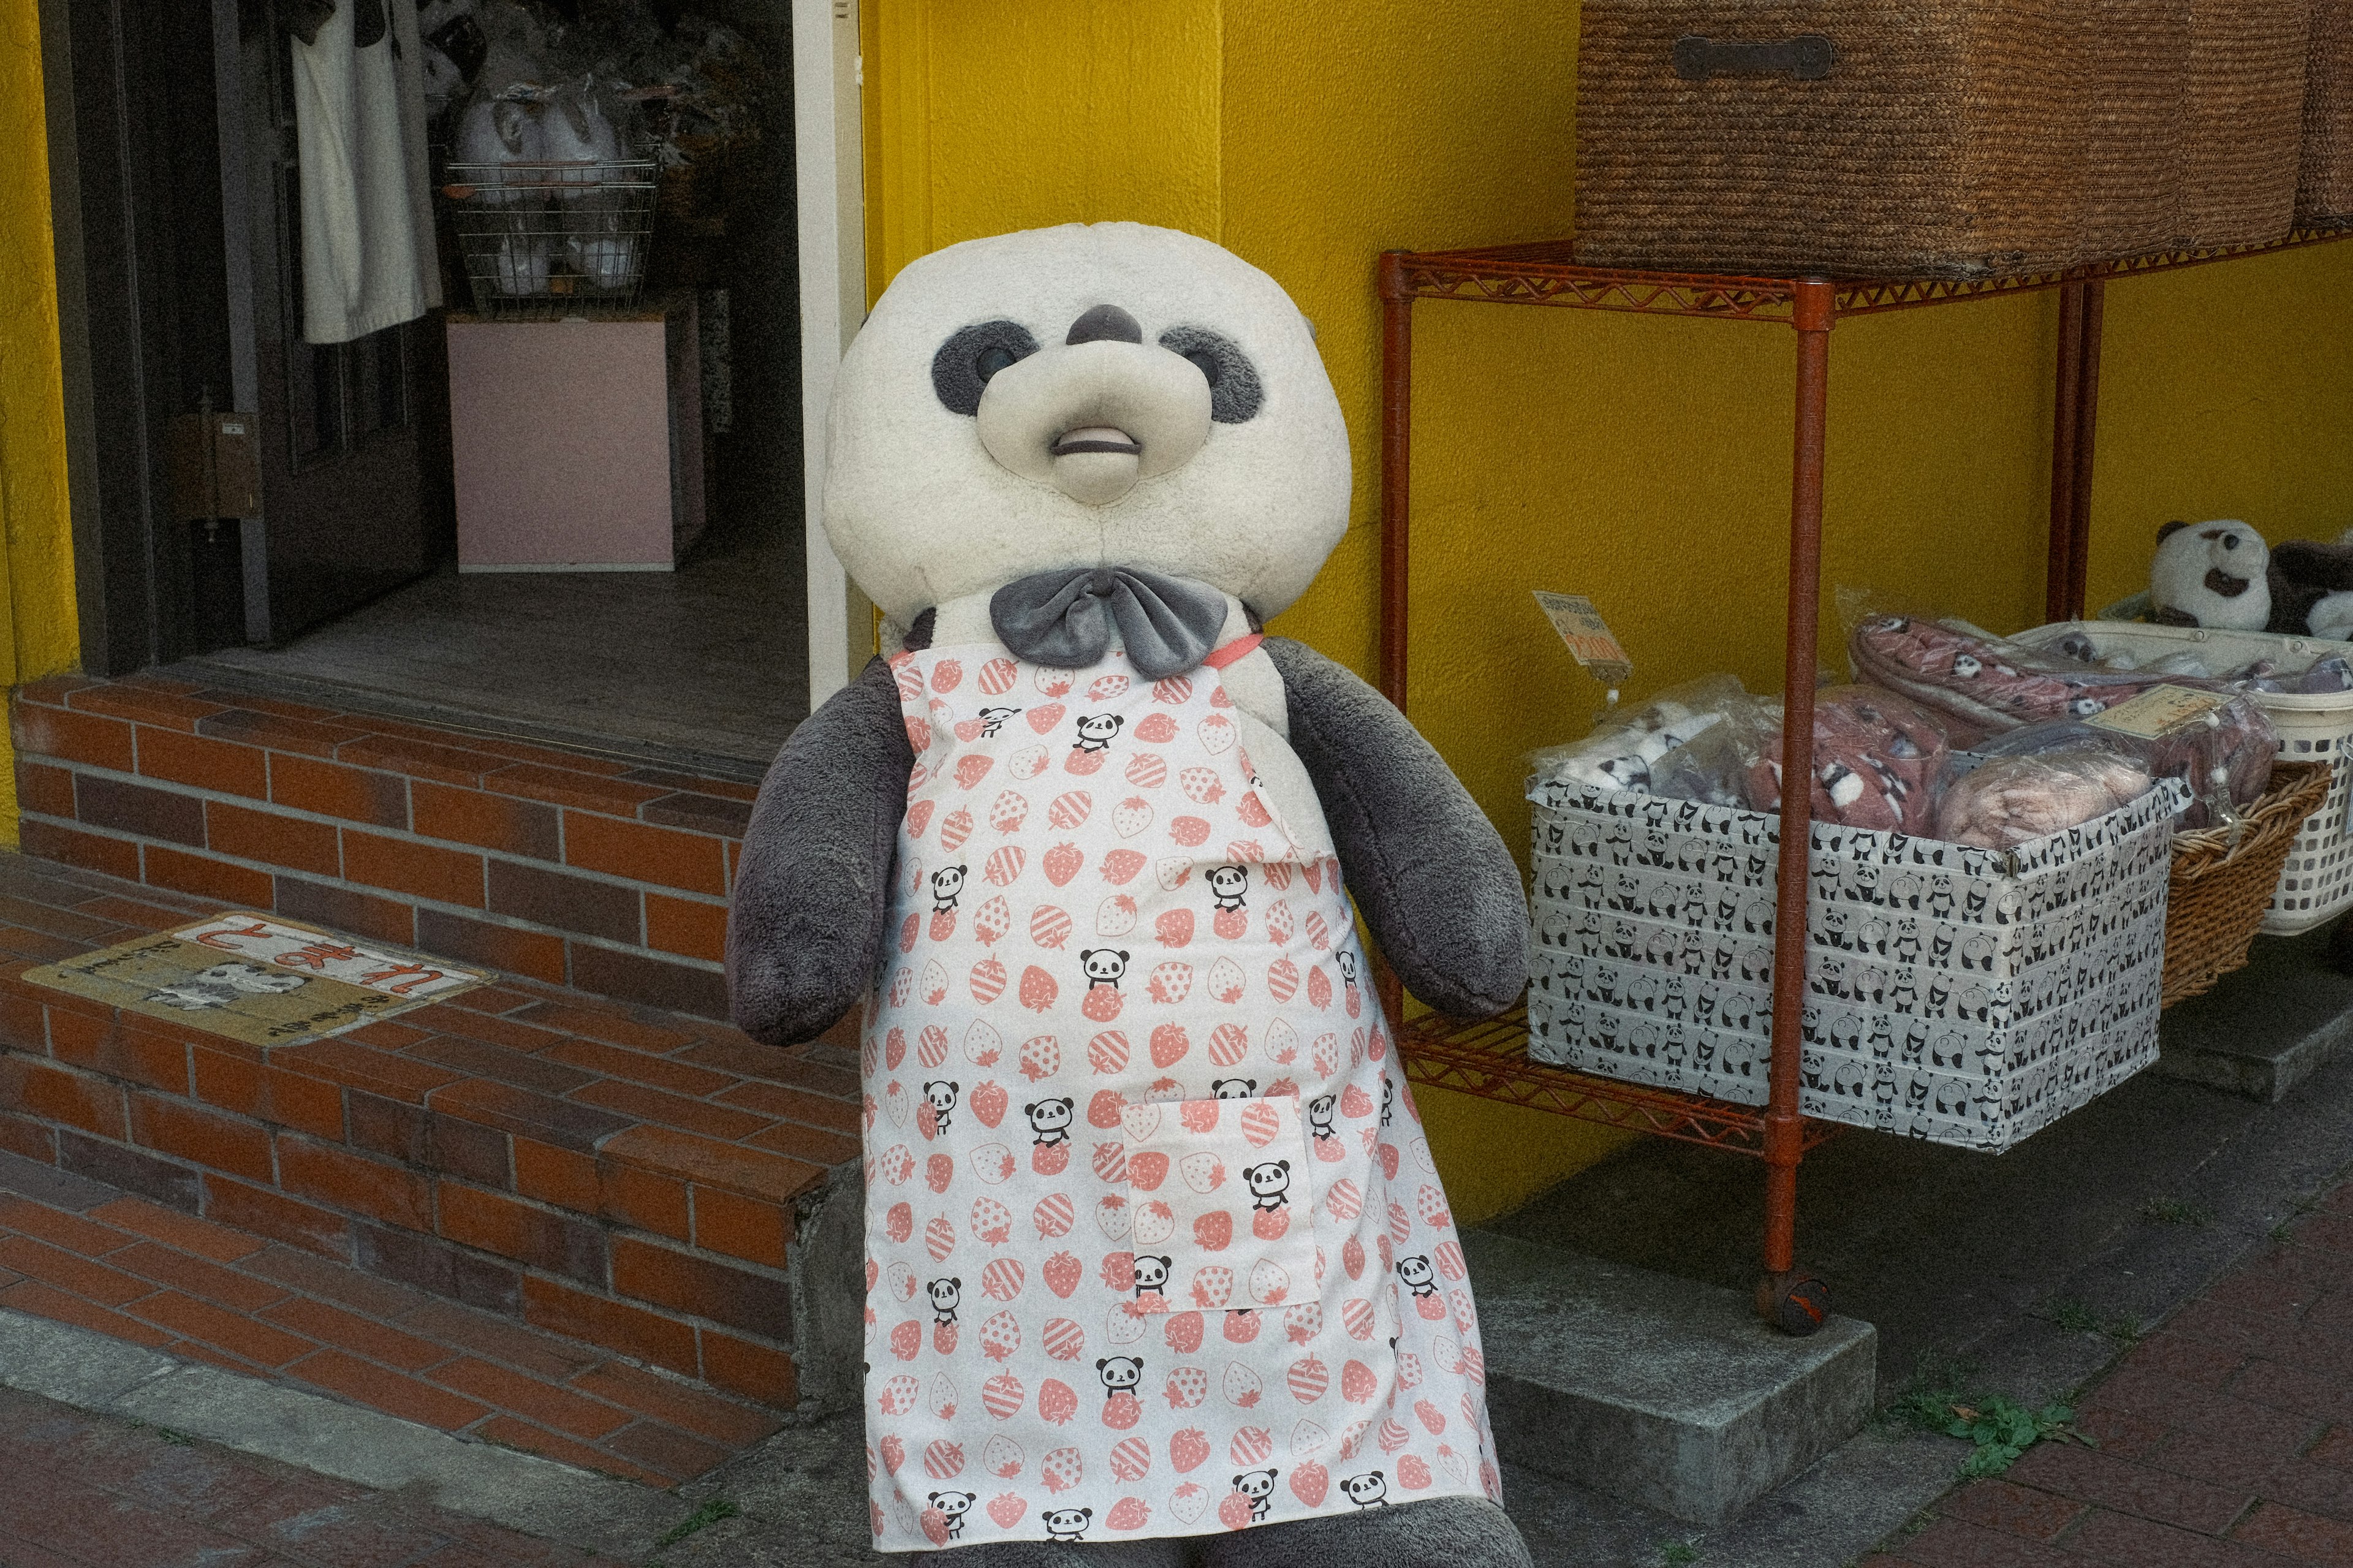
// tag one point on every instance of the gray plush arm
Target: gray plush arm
(1428, 871)
(812, 896)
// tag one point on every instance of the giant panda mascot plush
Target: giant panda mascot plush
(1159, 1268)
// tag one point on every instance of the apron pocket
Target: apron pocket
(1217, 1194)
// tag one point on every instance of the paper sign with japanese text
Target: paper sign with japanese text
(2159, 711)
(1590, 641)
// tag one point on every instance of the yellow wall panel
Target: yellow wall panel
(992, 118)
(40, 633)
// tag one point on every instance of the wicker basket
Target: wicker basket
(2220, 890)
(1944, 138)
(2324, 185)
(2241, 126)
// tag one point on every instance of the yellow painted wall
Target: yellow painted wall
(1644, 462)
(38, 632)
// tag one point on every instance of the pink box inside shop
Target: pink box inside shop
(578, 444)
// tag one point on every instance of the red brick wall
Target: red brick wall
(568, 1163)
(576, 870)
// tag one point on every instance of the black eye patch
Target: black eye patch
(1235, 393)
(962, 367)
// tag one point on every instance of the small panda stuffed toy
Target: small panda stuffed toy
(2312, 587)
(1080, 466)
(2210, 574)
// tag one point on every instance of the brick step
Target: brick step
(630, 1178)
(80, 1252)
(579, 870)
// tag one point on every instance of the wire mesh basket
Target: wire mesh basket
(548, 238)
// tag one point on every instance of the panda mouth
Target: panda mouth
(1096, 438)
(2220, 582)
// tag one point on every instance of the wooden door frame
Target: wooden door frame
(827, 153)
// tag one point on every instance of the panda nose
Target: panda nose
(1105, 324)
(2229, 542)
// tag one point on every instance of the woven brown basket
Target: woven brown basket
(2220, 890)
(1946, 138)
(2242, 128)
(2324, 185)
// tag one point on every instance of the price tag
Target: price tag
(1590, 641)
(2159, 711)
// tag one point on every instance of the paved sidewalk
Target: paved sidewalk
(2224, 1438)
(87, 1491)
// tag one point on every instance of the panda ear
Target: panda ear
(2165, 528)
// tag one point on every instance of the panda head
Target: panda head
(941, 1093)
(1048, 1113)
(2212, 575)
(951, 1504)
(1255, 1483)
(1119, 1371)
(1152, 1271)
(1066, 1520)
(983, 359)
(1365, 1488)
(945, 1292)
(1104, 962)
(1273, 1176)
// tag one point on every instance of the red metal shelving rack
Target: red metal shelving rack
(1490, 1059)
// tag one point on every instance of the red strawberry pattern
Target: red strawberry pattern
(1183, 1212)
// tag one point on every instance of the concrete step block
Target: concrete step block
(1657, 1389)
(2263, 1029)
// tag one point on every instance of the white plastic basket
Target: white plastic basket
(2317, 884)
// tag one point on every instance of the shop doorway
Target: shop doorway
(176, 176)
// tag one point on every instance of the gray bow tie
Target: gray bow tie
(1064, 619)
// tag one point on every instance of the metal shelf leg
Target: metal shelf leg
(1785, 1297)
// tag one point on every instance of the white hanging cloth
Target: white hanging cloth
(368, 256)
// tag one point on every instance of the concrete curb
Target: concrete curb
(521, 1491)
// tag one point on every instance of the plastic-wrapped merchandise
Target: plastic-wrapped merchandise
(1879, 759)
(2322, 678)
(1985, 685)
(2005, 802)
(1625, 747)
(2224, 755)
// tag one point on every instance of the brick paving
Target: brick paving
(82, 1253)
(529, 1217)
(571, 868)
(86, 1492)
(2225, 1438)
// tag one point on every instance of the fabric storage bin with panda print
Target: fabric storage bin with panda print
(1963, 995)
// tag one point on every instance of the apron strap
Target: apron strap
(1219, 658)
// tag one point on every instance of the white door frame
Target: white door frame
(827, 154)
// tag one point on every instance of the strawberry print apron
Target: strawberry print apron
(1154, 1245)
